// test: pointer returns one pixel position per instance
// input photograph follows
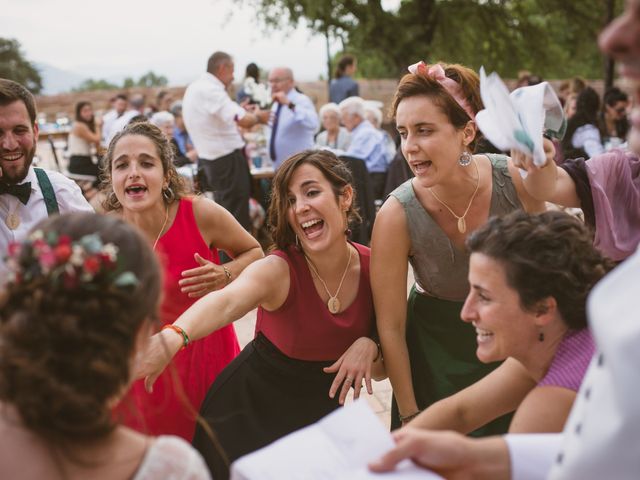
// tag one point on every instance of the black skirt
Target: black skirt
(260, 396)
(83, 165)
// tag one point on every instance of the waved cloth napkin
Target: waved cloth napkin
(518, 120)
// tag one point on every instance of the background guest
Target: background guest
(582, 138)
(165, 121)
(294, 118)
(252, 71)
(212, 120)
(334, 136)
(614, 124)
(367, 142)
(343, 85)
(85, 135)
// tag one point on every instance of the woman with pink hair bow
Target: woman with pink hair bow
(429, 352)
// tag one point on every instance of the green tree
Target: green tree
(14, 66)
(91, 84)
(150, 79)
(553, 38)
(128, 83)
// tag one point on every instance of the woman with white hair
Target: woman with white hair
(166, 122)
(333, 136)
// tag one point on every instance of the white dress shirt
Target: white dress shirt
(210, 117)
(68, 195)
(119, 124)
(601, 439)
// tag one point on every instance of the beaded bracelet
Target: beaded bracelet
(185, 338)
(408, 418)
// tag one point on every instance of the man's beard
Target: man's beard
(12, 177)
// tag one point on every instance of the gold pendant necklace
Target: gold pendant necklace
(166, 217)
(462, 224)
(333, 304)
(12, 220)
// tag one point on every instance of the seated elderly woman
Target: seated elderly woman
(530, 276)
(166, 122)
(367, 143)
(83, 291)
(333, 136)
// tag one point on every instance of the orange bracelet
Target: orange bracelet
(185, 338)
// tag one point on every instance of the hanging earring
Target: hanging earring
(541, 337)
(465, 159)
(168, 195)
(298, 244)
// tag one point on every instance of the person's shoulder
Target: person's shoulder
(172, 457)
(363, 250)
(59, 180)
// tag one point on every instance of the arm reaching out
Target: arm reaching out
(265, 283)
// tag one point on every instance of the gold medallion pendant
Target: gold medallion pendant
(462, 225)
(12, 221)
(333, 305)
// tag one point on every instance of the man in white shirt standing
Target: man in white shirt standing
(602, 434)
(27, 194)
(212, 120)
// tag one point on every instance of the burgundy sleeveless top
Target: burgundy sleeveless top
(303, 328)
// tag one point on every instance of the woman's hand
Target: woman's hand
(353, 366)
(153, 359)
(201, 280)
(525, 161)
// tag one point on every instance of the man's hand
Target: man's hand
(281, 97)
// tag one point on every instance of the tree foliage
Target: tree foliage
(553, 38)
(149, 79)
(14, 66)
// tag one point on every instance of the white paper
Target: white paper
(518, 120)
(337, 447)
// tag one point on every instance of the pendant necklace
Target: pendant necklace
(462, 224)
(333, 304)
(166, 217)
(12, 220)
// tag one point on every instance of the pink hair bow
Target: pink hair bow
(452, 87)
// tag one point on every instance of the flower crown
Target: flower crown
(86, 263)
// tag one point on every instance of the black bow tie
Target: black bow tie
(22, 191)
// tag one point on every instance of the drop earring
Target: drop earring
(541, 337)
(465, 159)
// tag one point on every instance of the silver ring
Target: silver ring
(348, 379)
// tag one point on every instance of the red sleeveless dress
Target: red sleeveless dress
(177, 394)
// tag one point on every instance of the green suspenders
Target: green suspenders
(47, 192)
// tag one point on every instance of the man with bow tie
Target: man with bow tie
(27, 194)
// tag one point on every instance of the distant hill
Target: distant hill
(56, 80)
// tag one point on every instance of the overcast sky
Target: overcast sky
(118, 38)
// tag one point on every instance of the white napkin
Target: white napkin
(518, 120)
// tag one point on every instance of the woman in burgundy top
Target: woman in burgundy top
(530, 276)
(315, 318)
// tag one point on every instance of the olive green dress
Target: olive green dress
(442, 348)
